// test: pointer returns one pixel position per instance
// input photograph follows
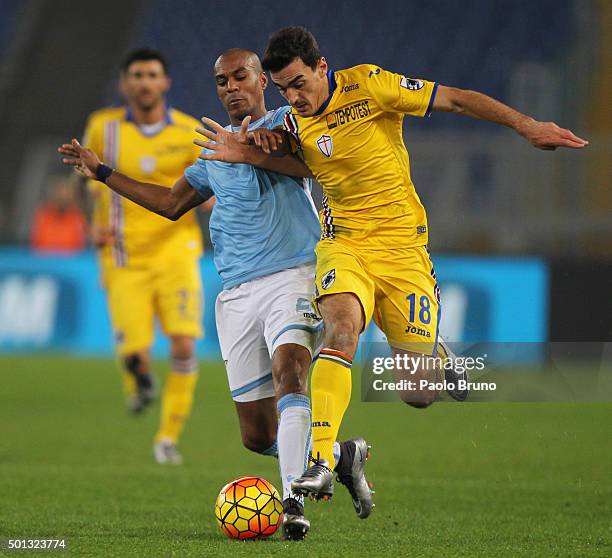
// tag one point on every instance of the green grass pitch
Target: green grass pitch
(453, 480)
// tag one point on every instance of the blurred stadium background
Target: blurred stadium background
(522, 242)
(488, 193)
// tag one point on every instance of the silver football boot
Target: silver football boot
(350, 470)
(316, 482)
(452, 377)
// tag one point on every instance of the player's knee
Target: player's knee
(291, 374)
(342, 334)
(423, 393)
(181, 346)
(291, 382)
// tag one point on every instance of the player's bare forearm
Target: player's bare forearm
(289, 165)
(544, 135)
(167, 202)
(171, 203)
(478, 105)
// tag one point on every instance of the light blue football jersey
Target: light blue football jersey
(262, 221)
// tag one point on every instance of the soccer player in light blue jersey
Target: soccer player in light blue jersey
(264, 228)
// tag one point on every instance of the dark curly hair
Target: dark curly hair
(143, 54)
(290, 43)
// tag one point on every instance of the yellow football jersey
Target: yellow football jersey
(354, 147)
(142, 237)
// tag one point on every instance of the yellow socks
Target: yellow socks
(330, 389)
(177, 398)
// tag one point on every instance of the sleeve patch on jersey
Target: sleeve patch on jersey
(328, 279)
(411, 84)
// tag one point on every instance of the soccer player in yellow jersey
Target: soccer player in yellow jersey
(149, 264)
(372, 259)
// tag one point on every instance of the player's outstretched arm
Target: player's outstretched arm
(167, 202)
(543, 135)
(236, 147)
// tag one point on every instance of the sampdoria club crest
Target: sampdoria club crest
(328, 279)
(325, 145)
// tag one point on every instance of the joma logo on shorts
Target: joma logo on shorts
(417, 330)
(321, 423)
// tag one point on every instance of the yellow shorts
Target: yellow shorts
(396, 286)
(136, 296)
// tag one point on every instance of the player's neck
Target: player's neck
(144, 117)
(258, 113)
(324, 93)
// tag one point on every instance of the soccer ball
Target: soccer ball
(248, 507)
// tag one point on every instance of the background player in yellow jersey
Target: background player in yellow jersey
(372, 260)
(149, 264)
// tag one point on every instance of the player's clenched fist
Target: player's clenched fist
(82, 159)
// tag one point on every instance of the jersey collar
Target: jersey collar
(129, 117)
(331, 79)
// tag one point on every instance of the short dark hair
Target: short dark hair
(143, 54)
(290, 43)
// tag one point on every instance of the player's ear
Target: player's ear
(263, 79)
(168, 85)
(322, 66)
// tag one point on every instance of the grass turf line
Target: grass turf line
(453, 480)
